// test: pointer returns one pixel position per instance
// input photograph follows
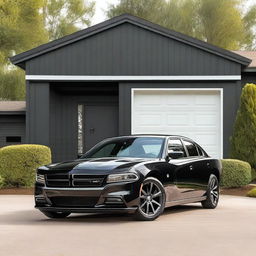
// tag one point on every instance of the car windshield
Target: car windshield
(141, 147)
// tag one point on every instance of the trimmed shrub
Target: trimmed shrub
(243, 141)
(1, 181)
(19, 162)
(252, 193)
(235, 173)
(253, 174)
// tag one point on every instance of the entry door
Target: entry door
(100, 122)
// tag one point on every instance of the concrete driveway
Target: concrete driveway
(187, 230)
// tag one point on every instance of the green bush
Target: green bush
(1, 181)
(243, 141)
(235, 173)
(19, 162)
(252, 193)
(253, 174)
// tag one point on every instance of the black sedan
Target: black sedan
(136, 174)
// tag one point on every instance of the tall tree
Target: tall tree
(243, 141)
(224, 23)
(21, 28)
(147, 9)
(63, 17)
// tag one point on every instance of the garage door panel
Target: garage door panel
(192, 113)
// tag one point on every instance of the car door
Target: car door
(195, 170)
(182, 181)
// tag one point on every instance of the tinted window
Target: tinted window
(175, 145)
(201, 153)
(191, 147)
(142, 147)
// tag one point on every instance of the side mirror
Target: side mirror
(176, 154)
(79, 155)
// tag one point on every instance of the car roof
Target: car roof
(151, 135)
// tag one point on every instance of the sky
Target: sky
(101, 5)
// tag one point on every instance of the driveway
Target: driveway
(187, 230)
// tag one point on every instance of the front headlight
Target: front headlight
(40, 178)
(122, 177)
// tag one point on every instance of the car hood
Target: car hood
(94, 166)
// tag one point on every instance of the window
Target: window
(105, 151)
(13, 139)
(145, 147)
(200, 151)
(175, 145)
(191, 147)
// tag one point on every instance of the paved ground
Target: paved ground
(188, 230)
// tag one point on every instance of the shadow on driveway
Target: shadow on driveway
(34, 217)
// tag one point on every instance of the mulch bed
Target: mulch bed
(237, 191)
(17, 191)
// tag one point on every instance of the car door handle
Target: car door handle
(191, 167)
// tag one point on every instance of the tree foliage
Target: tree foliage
(224, 23)
(25, 24)
(243, 141)
(63, 17)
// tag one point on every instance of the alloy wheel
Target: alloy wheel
(151, 199)
(214, 191)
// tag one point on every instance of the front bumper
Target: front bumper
(116, 197)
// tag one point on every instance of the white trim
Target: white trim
(128, 78)
(220, 90)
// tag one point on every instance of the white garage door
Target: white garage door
(192, 113)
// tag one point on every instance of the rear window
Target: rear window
(191, 148)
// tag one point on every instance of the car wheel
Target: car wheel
(212, 194)
(152, 200)
(55, 215)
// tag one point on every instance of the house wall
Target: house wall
(248, 77)
(130, 50)
(127, 50)
(12, 125)
(231, 95)
(64, 102)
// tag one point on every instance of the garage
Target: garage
(195, 113)
(127, 76)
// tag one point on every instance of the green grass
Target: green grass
(252, 193)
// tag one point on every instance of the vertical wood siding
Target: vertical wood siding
(130, 50)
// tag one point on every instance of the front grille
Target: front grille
(72, 201)
(82, 180)
(74, 180)
(57, 180)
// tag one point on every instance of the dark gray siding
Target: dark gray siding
(130, 50)
(37, 125)
(11, 125)
(64, 115)
(231, 95)
(248, 77)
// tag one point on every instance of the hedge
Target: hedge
(252, 193)
(1, 181)
(235, 173)
(19, 162)
(253, 174)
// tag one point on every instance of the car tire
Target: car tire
(152, 200)
(212, 193)
(56, 215)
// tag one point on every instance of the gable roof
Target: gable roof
(21, 58)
